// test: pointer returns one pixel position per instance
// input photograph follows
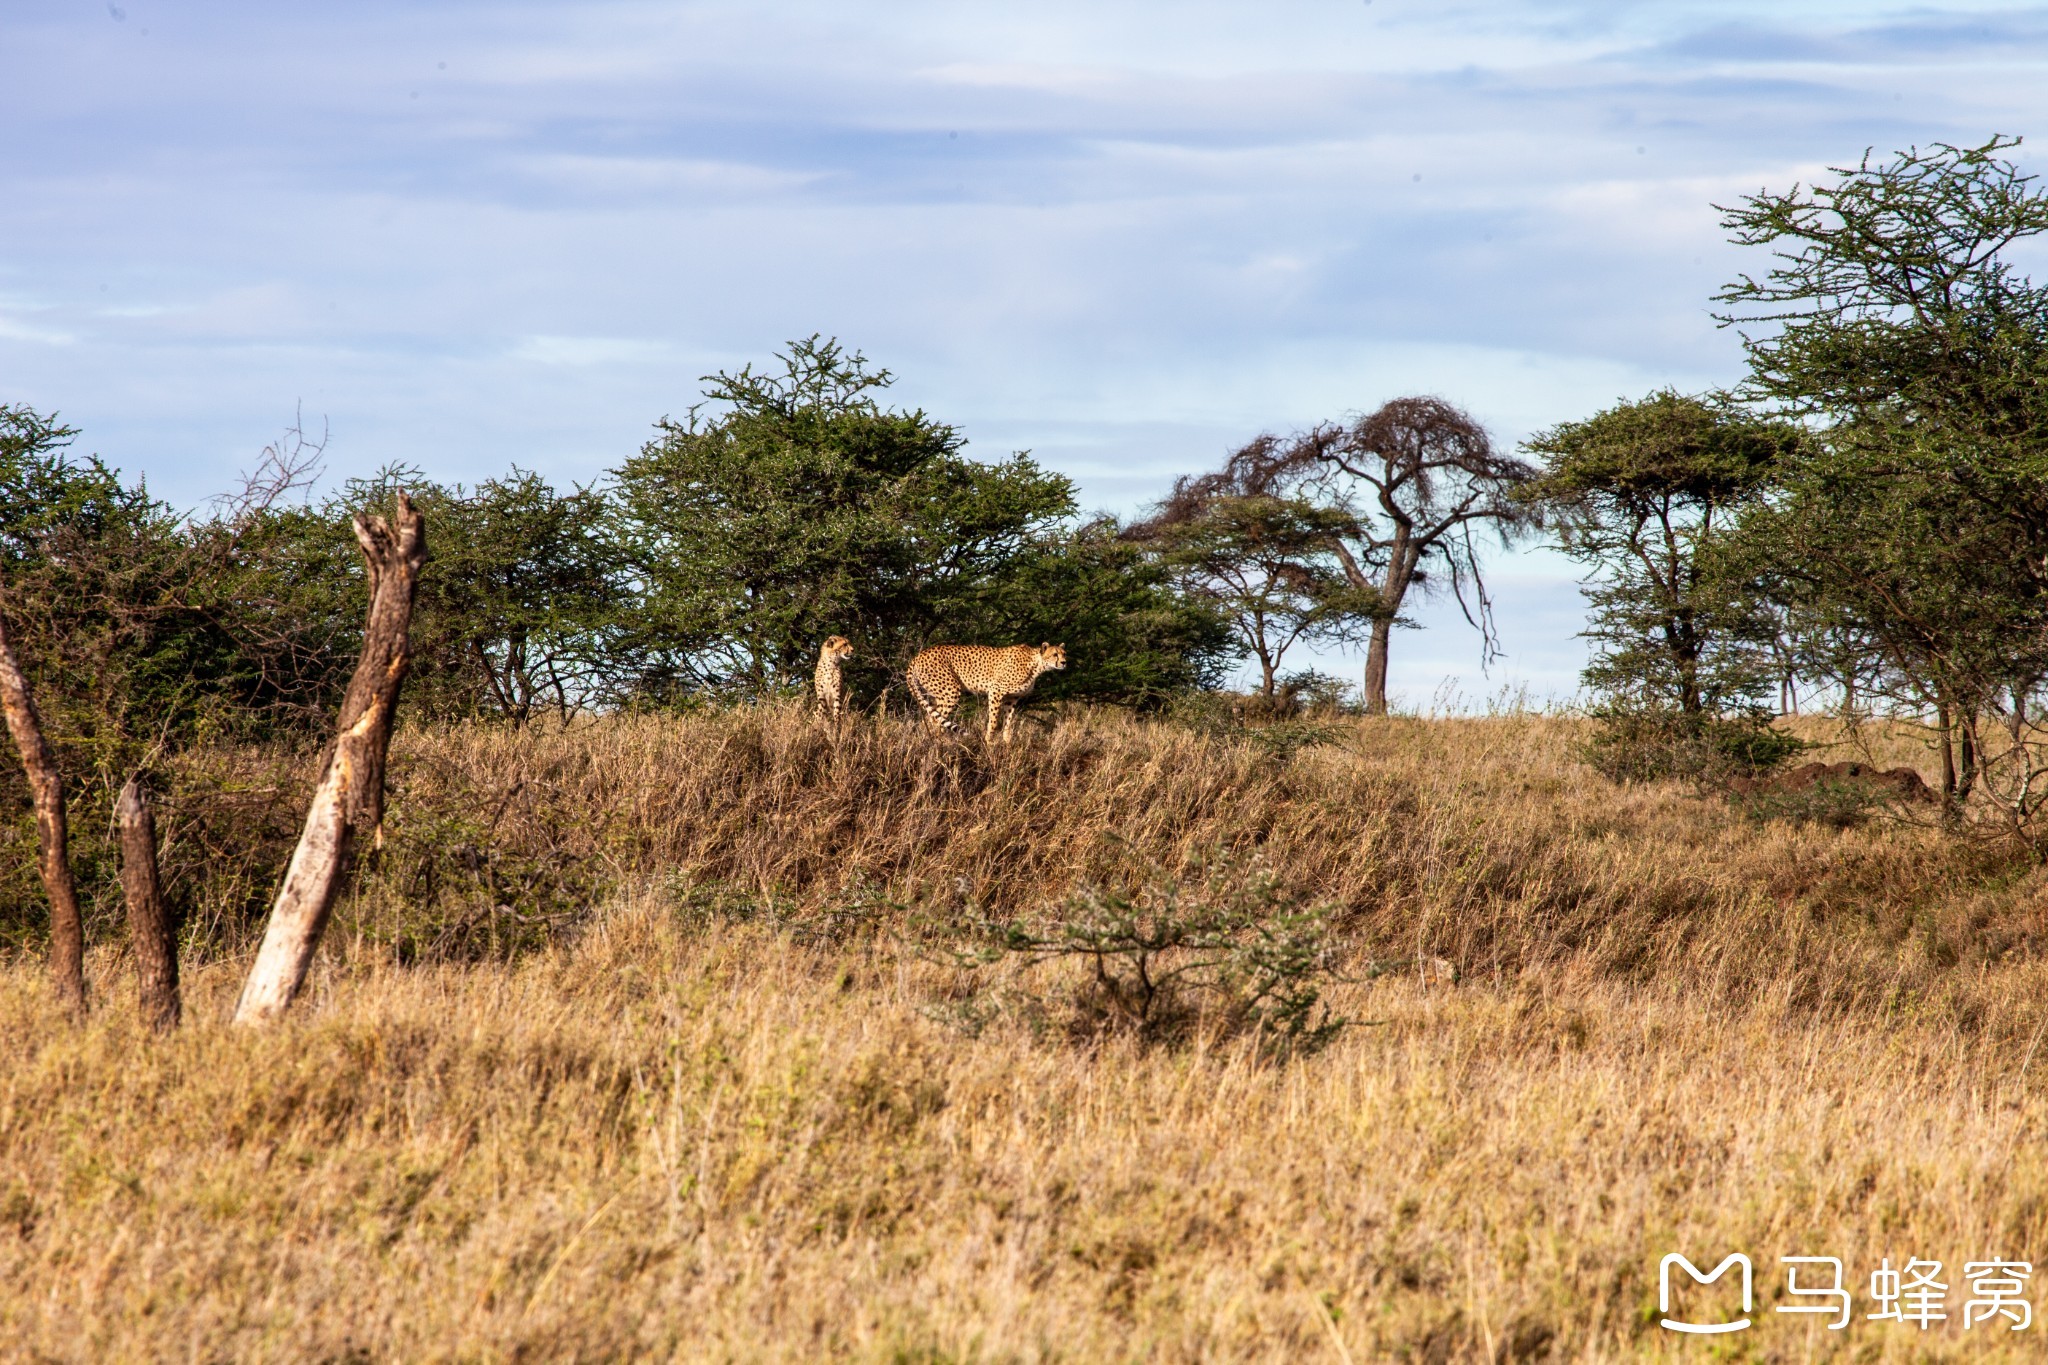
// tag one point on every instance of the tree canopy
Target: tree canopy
(798, 506)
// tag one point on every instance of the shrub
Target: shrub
(1641, 744)
(1839, 805)
(1217, 950)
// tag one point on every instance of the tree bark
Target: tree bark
(350, 797)
(149, 926)
(67, 929)
(1376, 669)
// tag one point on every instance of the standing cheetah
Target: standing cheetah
(831, 687)
(937, 677)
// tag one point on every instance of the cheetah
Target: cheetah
(937, 677)
(830, 686)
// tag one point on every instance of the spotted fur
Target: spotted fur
(939, 676)
(827, 680)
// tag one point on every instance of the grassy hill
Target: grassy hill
(652, 1038)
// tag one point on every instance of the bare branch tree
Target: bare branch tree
(290, 464)
(1423, 487)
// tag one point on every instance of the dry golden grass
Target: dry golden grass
(678, 1134)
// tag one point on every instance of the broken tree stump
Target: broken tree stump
(349, 800)
(149, 923)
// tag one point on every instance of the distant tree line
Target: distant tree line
(1864, 518)
(790, 506)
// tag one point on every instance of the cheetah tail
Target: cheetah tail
(924, 700)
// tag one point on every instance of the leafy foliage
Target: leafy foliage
(1643, 494)
(1631, 742)
(113, 607)
(1132, 636)
(517, 608)
(804, 509)
(1264, 564)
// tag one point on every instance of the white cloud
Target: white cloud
(574, 351)
(13, 329)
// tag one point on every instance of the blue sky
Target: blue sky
(1124, 236)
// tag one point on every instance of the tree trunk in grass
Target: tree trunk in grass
(149, 926)
(350, 798)
(67, 930)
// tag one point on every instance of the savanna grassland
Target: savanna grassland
(659, 1038)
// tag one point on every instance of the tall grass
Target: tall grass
(593, 1068)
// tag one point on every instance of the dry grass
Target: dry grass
(672, 1133)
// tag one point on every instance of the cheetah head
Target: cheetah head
(1050, 657)
(836, 649)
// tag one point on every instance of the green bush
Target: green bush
(1635, 744)
(1217, 951)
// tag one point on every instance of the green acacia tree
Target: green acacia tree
(93, 573)
(1132, 636)
(803, 508)
(516, 608)
(1646, 495)
(1265, 564)
(794, 505)
(1913, 527)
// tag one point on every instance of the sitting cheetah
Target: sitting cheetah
(831, 688)
(937, 677)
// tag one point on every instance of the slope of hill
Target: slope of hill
(650, 1038)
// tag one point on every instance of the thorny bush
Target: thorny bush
(1218, 950)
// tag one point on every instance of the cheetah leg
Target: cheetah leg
(995, 717)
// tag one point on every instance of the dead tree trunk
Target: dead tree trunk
(67, 930)
(149, 925)
(350, 798)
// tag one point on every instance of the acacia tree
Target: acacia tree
(515, 610)
(803, 508)
(1417, 488)
(1915, 524)
(797, 506)
(1646, 495)
(1265, 564)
